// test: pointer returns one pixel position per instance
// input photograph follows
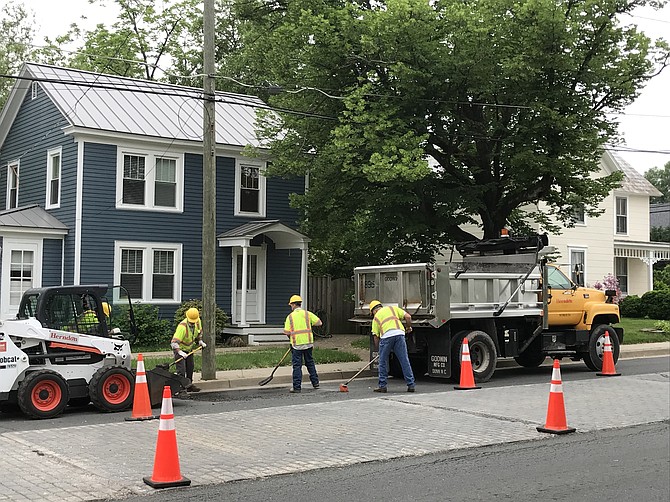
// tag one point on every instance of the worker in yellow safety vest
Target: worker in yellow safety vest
(389, 332)
(186, 338)
(298, 327)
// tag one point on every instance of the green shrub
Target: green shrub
(151, 330)
(656, 304)
(221, 317)
(631, 306)
(663, 326)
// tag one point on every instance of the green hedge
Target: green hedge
(652, 304)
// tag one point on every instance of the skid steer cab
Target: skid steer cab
(61, 349)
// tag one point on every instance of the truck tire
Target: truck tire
(594, 357)
(533, 356)
(43, 394)
(395, 370)
(482, 354)
(111, 389)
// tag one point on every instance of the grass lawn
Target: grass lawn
(265, 358)
(633, 333)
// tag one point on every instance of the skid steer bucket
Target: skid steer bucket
(158, 378)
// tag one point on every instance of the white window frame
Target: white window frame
(52, 154)
(150, 179)
(627, 276)
(148, 249)
(616, 215)
(33, 90)
(261, 188)
(12, 174)
(578, 249)
(577, 222)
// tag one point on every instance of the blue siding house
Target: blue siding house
(103, 184)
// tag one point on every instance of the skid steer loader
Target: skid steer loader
(60, 350)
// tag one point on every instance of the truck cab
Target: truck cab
(577, 306)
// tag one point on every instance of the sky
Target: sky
(645, 125)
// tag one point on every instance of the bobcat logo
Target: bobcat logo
(118, 347)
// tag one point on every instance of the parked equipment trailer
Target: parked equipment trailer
(500, 294)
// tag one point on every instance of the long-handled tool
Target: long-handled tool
(167, 366)
(344, 388)
(268, 379)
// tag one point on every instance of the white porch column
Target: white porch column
(243, 299)
(651, 269)
(303, 275)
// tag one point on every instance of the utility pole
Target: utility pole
(209, 197)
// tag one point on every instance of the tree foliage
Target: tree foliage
(438, 112)
(16, 36)
(660, 178)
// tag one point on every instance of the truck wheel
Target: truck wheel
(43, 394)
(530, 359)
(482, 354)
(594, 357)
(533, 356)
(111, 389)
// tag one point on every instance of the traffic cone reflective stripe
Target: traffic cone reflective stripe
(556, 422)
(467, 381)
(166, 472)
(141, 402)
(608, 359)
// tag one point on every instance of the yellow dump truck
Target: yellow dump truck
(500, 294)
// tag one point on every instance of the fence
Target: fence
(332, 299)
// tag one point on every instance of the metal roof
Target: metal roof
(30, 217)
(143, 107)
(633, 181)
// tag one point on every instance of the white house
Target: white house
(617, 241)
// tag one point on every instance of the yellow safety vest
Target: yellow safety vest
(387, 318)
(186, 335)
(298, 327)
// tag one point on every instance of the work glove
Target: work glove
(202, 344)
(183, 354)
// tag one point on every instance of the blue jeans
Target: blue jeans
(297, 357)
(397, 345)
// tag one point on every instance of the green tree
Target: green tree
(508, 102)
(16, 36)
(660, 178)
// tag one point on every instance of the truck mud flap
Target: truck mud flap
(439, 355)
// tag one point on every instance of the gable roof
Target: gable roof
(283, 236)
(139, 107)
(30, 218)
(633, 182)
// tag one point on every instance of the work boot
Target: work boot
(410, 389)
(294, 391)
(193, 388)
(316, 385)
(380, 389)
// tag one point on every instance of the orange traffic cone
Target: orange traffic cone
(608, 359)
(166, 461)
(556, 422)
(467, 375)
(141, 403)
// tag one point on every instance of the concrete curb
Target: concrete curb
(245, 379)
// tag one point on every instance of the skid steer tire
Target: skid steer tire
(111, 389)
(43, 394)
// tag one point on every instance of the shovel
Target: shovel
(268, 379)
(344, 388)
(166, 366)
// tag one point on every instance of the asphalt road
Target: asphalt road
(606, 466)
(272, 396)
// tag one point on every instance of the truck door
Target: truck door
(564, 309)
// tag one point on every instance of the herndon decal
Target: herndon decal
(60, 336)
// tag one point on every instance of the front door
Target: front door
(21, 270)
(255, 312)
